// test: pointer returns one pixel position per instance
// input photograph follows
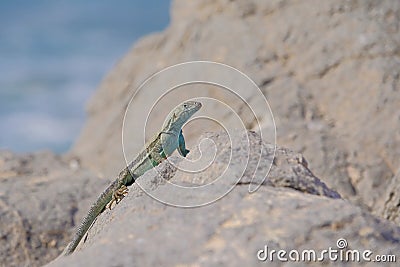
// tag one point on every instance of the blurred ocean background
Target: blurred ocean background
(53, 54)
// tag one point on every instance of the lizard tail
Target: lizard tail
(90, 217)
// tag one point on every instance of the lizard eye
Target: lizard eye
(185, 105)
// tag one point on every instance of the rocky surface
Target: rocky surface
(391, 209)
(141, 231)
(41, 198)
(292, 209)
(330, 71)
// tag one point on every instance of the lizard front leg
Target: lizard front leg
(182, 146)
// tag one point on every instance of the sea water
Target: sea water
(53, 55)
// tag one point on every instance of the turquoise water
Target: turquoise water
(53, 54)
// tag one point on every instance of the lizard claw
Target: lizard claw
(118, 195)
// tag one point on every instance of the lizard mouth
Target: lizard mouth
(198, 105)
(191, 106)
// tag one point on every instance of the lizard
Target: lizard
(169, 139)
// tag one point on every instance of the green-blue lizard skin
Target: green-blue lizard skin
(182, 146)
(163, 145)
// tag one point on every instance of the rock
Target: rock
(329, 71)
(141, 231)
(391, 209)
(41, 199)
(261, 164)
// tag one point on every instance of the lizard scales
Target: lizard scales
(169, 139)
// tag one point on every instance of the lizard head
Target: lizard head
(182, 113)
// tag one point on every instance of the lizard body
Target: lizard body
(169, 139)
